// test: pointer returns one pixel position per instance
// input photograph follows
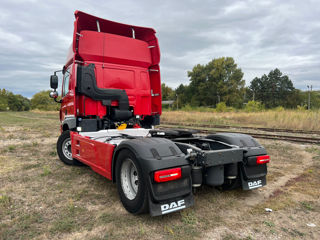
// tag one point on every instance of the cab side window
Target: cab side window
(66, 78)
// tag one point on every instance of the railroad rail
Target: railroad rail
(242, 127)
(202, 130)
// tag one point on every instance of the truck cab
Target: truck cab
(111, 76)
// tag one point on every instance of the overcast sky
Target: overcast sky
(260, 35)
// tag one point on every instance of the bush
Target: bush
(42, 101)
(187, 108)
(279, 109)
(302, 108)
(221, 107)
(253, 106)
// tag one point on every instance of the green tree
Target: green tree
(18, 102)
(315, 99)
(167, 92)
(13, 102)
(295, 98)
(185, 94)
(218, 81)
(42, 101)
(303, 99)
(253, 106)
(3, 100)
(274, 89)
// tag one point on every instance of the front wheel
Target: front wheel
(64, 149)
(131, 186)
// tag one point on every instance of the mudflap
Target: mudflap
(252, 183)
(165, 207)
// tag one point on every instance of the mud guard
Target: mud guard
(155, 154)
(249, 184)
(169, 206)
(251, 175)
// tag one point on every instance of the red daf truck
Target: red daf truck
(111, 102)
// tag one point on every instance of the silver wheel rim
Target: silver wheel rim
(129, 179)
(66, 148)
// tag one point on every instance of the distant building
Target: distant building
(167, 104)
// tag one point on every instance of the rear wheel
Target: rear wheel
(64, 149)
(131, 186)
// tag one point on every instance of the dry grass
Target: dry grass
(289, 119)
(41, 198)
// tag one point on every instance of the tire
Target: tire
(64, 149)
(131, 186)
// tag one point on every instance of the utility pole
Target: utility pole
(309, 97)
(177, 101)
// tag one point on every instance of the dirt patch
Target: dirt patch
(294, 199)
(292, 173)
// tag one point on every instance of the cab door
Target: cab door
(67, 105)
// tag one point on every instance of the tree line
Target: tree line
(13, 102)
(221, 81)
(216, 84)
(16, 102)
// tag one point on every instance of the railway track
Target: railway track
(202, 129)
(243, 127)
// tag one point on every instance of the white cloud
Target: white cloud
(260, 35)
(8, 37)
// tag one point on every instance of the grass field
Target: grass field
(41, 198)
(288, 119)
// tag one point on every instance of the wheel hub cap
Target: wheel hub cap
(129, 179)
(66, 148)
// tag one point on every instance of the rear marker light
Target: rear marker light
(263, 159)
(167, 175)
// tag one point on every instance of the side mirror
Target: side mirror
(54, 82)
(53, 94)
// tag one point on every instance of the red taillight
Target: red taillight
(263, 159)
(167, 175)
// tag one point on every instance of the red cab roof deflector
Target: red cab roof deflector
(86, 21)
